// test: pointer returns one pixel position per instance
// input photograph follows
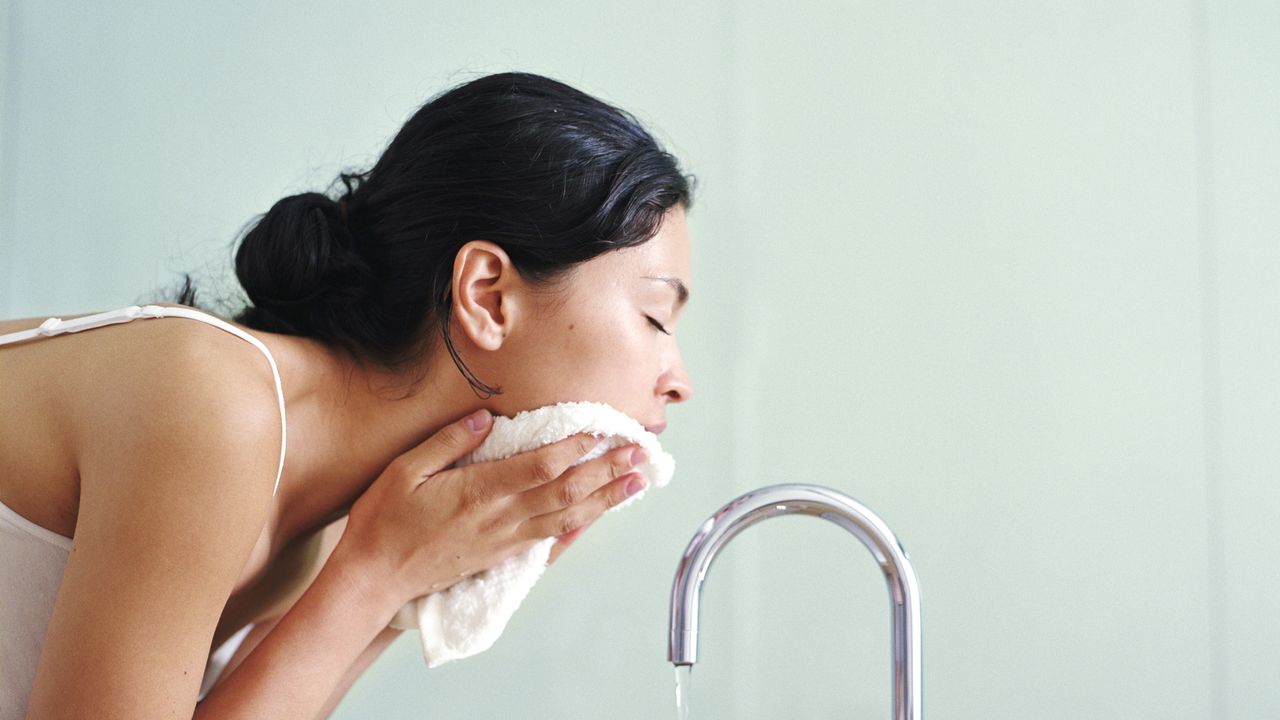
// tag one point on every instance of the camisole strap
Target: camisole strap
(58, 326)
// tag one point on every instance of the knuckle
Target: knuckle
(452, 437)
(400, 468)
(569, 521)
(616, 496)
(472, 494)
(571, 491)
(621, 464)
(544, 471)
(492, 526)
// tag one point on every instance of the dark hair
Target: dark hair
(552, 175)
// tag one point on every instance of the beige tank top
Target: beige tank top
(32, 558)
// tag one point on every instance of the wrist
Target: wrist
(364, 577)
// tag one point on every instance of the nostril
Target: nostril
(675, 387)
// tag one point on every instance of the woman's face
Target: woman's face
(606, 333)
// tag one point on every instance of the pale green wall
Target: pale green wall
(1005, 271)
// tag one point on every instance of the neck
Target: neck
(347, 422)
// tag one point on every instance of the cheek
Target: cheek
(595, 352)
(611, 363)
(601, 350)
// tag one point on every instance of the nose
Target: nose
(675, 384)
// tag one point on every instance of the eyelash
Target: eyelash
(657, 325)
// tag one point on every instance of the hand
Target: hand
(425, 526)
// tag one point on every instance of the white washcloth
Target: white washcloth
(467, 618)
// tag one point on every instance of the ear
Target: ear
(484, 293)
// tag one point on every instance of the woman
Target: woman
(519, 243)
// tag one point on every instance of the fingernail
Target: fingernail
(638, 456)
(634, 485)
(477, 420)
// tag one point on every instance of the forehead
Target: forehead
(618, 275)
(666, 254)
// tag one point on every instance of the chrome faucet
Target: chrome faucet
(767, 502)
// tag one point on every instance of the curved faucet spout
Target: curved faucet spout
(767, 502)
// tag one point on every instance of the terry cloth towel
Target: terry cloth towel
(467, 617)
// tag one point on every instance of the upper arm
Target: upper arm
(176, 482)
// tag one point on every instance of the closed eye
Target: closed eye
(657, 325)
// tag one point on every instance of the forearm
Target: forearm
(296, 671)
(262, 629)
(357, 668)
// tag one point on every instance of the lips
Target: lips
(656, 429)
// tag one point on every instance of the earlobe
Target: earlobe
(483, 301)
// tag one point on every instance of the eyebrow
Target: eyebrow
(682, 292)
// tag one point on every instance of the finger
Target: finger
(564, 541)
(564, 521)
(536, 467)
(581, 481)
(445, 447)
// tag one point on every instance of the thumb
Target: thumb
(445, 447)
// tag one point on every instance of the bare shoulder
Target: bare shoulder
(139, 370)
(144, 386)
(177, 462)
(175, 390)
(170, 367)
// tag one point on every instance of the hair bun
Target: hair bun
(298, 265)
